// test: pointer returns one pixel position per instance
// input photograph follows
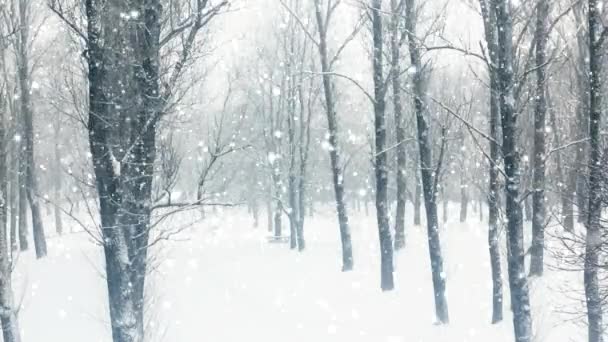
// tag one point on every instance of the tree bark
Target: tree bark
(464, 199)
(594, 239)
(334, 156)
(540, 112)
(31, 182)
(490, 29)
(417, 194)
(399, 126)
(57, 181)
(518, 283)
(22, 204)
(381, 158)
(426, 169)
(8, 312)
(13, 180)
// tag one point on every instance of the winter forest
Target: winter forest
(303, 170)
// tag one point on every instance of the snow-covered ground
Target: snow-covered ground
(220, 280)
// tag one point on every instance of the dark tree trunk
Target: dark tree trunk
(428, 179)
(464, 200)
(22, 199)
(269, 218)
(334, 156)
(527, 206)
(123, 67)
(278, 208)
(399, 126)
(540, 111)
(294, 215)
(121, 303)
(594, 238)
(381, 159)
(518, 283)
(445, 203)
(490, 28)
(579, 175)
(304, 149)
(31, 182)
(8, 312)
(417, 194)
(480, 203)
(255, 212)
(13, 195)
(57, 182)
(567, 214)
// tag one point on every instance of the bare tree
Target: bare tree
(429, 177)
(518, 283)
(323, 20)
(594, 239)
(128, 96)
(491, 37)
(22, 45)
(380, 152)
(8, 311)
(540, 112)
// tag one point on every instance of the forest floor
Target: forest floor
(221, 280)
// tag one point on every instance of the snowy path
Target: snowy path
(224, 282)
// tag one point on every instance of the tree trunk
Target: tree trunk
(417, 195)
(8, 312)
(269, 217)
(567, 213)
(428, 179)
(57, 182)
(13, 179)
(490, 29)
(540, 111)
(332, 123)
(381, 158)
(400, 126)
(445, 212)
(518, 283)
(22, 198)
(594, 239)
(31, 182)
(464, 200)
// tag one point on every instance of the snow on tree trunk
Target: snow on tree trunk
(400, 126)
(417, 193)
(594, 239)
(489, 19)
(426, 165)
(31, 182)
(518, 283)
(22, 207)
(540, 111)
(8, 312)
(334, 151)
(381, 156)
(464, 199)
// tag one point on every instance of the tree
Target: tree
(540, 112)
(381, 155)
(323, 21)
(428, 174)
(594, 239)
(395, 75)
(124, 67)
(30, 181)
(518, 283)
(491, 37)
(8, 312)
